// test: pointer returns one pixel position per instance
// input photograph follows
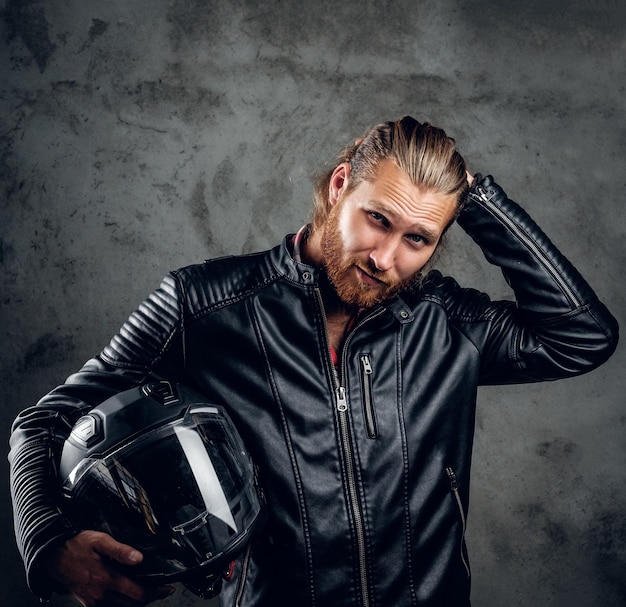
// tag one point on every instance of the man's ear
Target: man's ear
(338, 182)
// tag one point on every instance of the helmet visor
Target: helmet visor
(183, 494)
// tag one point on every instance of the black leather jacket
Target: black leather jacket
(367, 473)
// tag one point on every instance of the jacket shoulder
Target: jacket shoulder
(217, 282)
(459, 303)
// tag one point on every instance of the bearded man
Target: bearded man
(351, 370)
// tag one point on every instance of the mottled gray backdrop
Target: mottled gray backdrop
(141, 135)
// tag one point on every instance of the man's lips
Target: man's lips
(368, 279)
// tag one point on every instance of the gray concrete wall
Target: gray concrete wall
(138, 136)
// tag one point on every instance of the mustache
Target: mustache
(369, 268)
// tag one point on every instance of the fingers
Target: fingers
(122, 553)
(83, 566)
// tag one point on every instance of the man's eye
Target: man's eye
(416, 238)
(378, 217)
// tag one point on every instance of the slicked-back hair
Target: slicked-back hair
(425, 153)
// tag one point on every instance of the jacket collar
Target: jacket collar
(301, 273)
(282, 259)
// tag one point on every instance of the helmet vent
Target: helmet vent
(163, 392)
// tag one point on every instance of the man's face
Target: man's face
(378, 237)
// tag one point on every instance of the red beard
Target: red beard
(342, 274)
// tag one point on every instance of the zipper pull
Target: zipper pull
(367, 365)
(484, 194)
(342, 402)
(453, 482)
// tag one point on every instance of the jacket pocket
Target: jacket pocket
(367, 396)
(454, 488)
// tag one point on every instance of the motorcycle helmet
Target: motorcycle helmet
(160, 469)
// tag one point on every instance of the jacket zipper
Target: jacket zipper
(245, 561)
(346, 442)
(368, 401)
(454, 486)
(536, 250)
(242, 578)
(341, 403)
(355, 506)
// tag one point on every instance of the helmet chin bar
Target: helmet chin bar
(208, 585)
(204, 586)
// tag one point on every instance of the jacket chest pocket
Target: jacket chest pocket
(369, 410)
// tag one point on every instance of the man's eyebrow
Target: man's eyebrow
(420, 229)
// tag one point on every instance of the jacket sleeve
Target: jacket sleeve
(147, 347)
(557, 327)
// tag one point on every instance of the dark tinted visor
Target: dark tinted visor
(183, 494)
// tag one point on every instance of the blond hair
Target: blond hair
(424, 152)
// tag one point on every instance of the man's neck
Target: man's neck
(311, 249)
(339, 315)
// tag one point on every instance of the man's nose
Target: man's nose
(383, 255)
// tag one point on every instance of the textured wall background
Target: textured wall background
(141, 136)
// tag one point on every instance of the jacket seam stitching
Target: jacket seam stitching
(495, 201)
(294, 463)
(485, 316)
(405, 465)
(228, 301)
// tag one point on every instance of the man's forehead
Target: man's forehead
(395, 195)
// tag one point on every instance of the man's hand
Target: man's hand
(80, 565)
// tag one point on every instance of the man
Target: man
(350, 371)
